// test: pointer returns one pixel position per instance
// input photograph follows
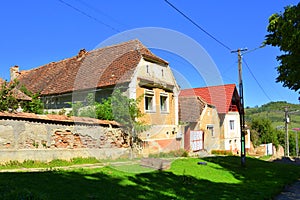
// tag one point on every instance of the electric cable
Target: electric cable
(197, 25)
(256, 80)
(89, 16)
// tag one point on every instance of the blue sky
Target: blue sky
(35, 32)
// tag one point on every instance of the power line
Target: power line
(89, 16)
(221, 43)
(197, 25)
(100, 12)
(256, 80)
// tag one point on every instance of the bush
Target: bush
(170, 154)
(222, 152)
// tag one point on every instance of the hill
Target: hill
(275, 112)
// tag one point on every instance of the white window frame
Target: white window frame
(149, 94)
(164, 108)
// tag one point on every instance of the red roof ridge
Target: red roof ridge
(137, 41)
(220, 96)
(142, 49)
(88, 69)
(214, 86)
(23, 72)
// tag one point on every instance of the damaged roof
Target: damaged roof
(98, 68)
(190, 108)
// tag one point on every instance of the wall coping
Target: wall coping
(57, 119)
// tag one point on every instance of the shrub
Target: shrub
(222, 152)
(170, 154)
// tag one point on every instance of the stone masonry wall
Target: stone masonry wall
(28, 140)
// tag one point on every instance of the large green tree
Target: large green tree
(284, 32)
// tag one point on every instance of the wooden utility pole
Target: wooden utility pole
(242, 112)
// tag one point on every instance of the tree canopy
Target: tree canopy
(8, 101)
(284, 32)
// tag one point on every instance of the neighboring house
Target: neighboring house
(225, 98)
(201, 121)
(129, 66)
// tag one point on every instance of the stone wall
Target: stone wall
(35, 139)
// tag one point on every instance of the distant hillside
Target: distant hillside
(275, 112)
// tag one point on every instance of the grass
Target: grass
(222, 178)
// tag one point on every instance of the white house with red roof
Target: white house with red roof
(225, 99)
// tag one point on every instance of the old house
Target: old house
(128, 66)
(225, 101)
(201, 121)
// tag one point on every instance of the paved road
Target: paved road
(290, 193)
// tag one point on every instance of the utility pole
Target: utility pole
(242, 112)
(287, 121)
(297, 147)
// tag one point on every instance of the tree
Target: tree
(9, 103)
(126, 112)
(117, 107)
(284, 29)
(7, 100)
(104, 109)
(263, 132)
(33, 106)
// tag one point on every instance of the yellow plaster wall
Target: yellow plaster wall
(157, 117)
(210, 117)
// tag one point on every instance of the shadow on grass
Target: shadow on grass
(107, 183)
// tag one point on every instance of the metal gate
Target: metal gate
(197, 140)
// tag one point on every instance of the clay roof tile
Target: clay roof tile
(220, 96)
(94, 69)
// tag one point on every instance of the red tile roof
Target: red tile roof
(222, 96)
(94, 69)
(19, 95)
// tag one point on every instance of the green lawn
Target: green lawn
(221, 178)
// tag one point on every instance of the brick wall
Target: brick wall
(27, 139)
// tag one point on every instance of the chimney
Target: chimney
(14, 72)
(81, 54)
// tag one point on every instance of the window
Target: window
(164, 102)
(149, 100)
(210, 129)
(231, 125)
